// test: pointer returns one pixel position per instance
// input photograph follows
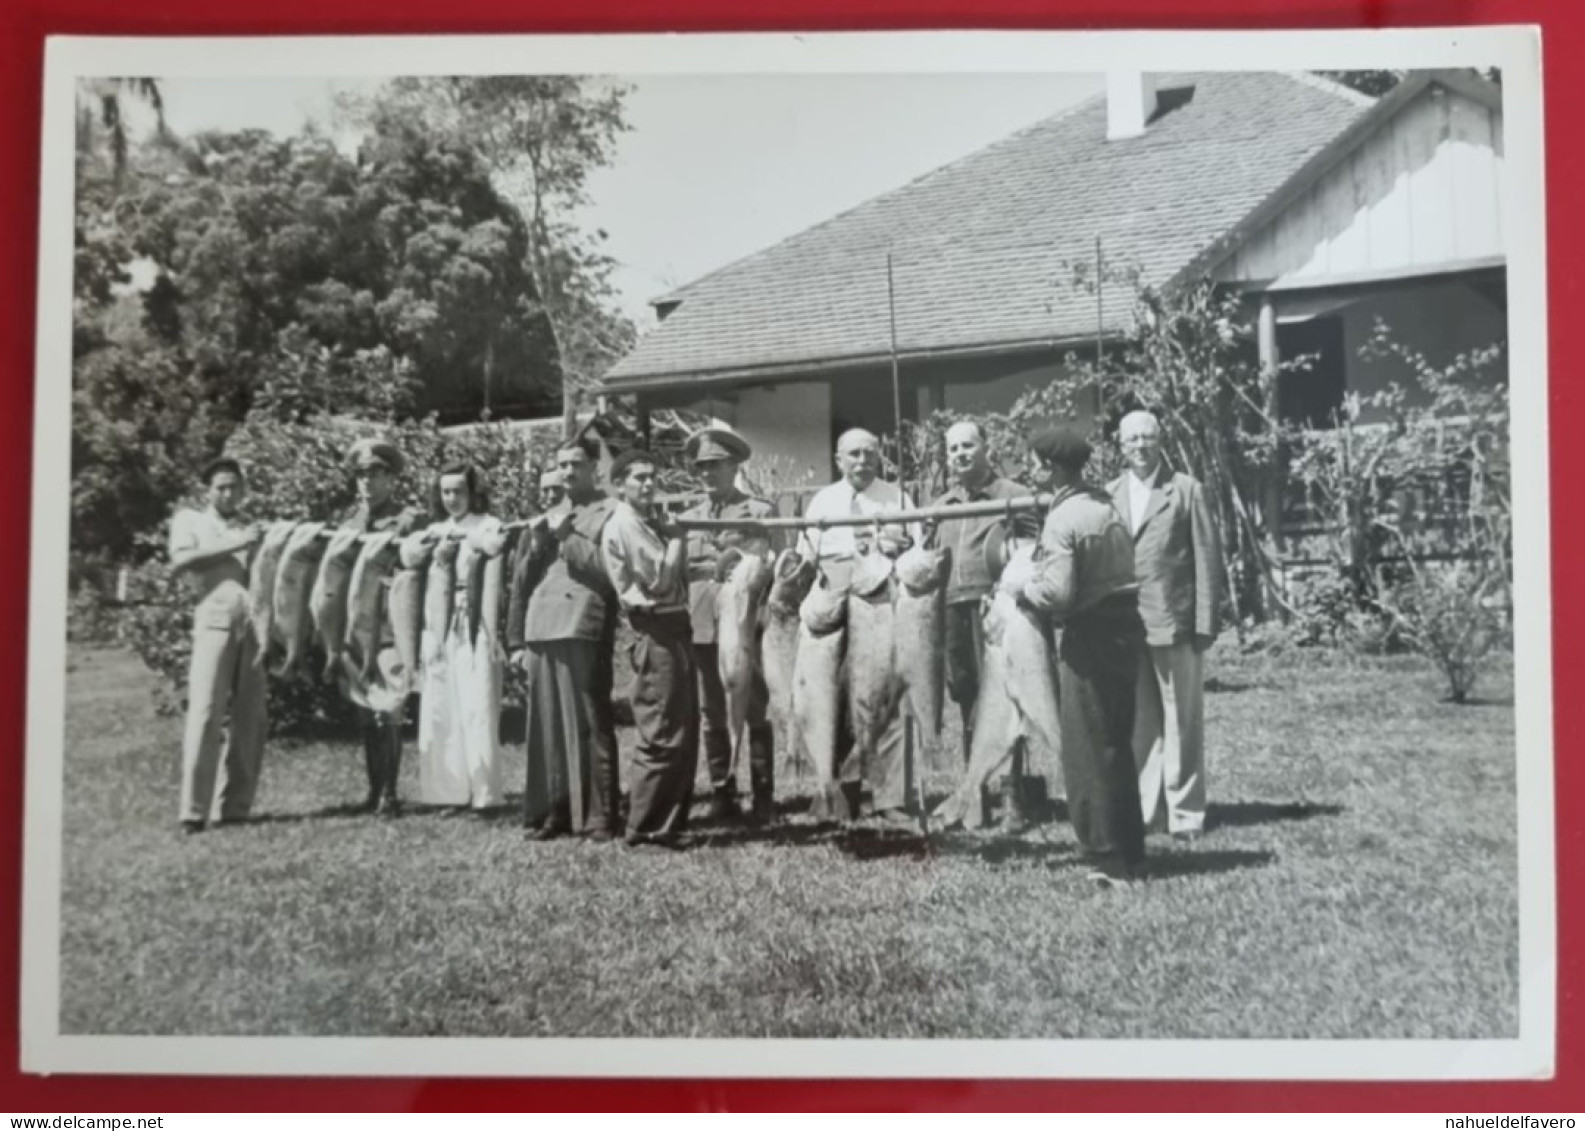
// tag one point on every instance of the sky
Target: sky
(715, 168)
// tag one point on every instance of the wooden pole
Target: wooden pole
(897, 394)
(984, 509)
(1270, 360)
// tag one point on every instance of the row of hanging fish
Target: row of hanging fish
(342, 588)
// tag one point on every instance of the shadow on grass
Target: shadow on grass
(1241, 814)
(1215, 686)
(1171, 865)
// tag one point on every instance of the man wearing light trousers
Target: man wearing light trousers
(1178, 559)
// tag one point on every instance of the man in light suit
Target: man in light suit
(1178, 559)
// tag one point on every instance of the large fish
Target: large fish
(737, 621)
(873, 688)
(817, 691)
(439, 599)
(1017, 702)
(294, 580)
(261, 584)
(327, 604)
(919, 620)
(366, 605)
(486, 586)
(407, 621)
(793, 577)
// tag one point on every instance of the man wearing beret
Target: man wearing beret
(974, 481)
(1085, 582)
(376, 466)
(225, 680)
(716, 454)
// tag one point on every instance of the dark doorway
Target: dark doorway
(864, 400)
(1310, 396)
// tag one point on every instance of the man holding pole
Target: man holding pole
(969, 538)
(716, 454)
(226, 673)
(1086, 583)
(375, 467)
(561, 627)
(646, 561)
(861, 491)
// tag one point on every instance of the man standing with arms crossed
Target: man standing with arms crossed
(1178, 558)
(226, 672)
(716, 455)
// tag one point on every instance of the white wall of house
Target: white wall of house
(1424, 191)
(1438, 320)
(789, 428)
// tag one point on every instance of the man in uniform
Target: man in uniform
(716, 454)
(226, 674)
(561, 628)
(1085, 582)
(972, 580)
(375, 467)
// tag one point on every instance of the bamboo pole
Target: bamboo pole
(986, 509)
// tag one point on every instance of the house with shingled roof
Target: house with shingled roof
(1325, 208)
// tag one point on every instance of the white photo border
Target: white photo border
(1516, 50)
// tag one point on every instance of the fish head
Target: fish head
(871, 572)
(824, 610)
(792, 576)
(923, 571)
(1020, 568)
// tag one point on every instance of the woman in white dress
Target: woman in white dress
(459, 750)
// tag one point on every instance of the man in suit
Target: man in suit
(716, 455)
(561, 627)
(1179, 562)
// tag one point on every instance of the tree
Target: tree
(284, 277)
(540, 136)
(101, 104)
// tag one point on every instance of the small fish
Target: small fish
(261, 585)
(873, 688)
(294, 581)
(327, 604)
(737, 621)
(794, 577)
(817, 692)
(439, 597)
(366, 603)
(406, 606)
(920, 617)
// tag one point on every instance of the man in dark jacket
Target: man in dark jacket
(562, 628)
(1085, 582)
(974, 480)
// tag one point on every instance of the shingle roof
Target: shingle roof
(983, 248)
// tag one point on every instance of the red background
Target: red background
(23, 27)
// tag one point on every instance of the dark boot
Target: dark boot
(723, 804)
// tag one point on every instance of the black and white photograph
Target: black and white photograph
(923, 554)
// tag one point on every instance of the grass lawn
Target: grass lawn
(1359, 880)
